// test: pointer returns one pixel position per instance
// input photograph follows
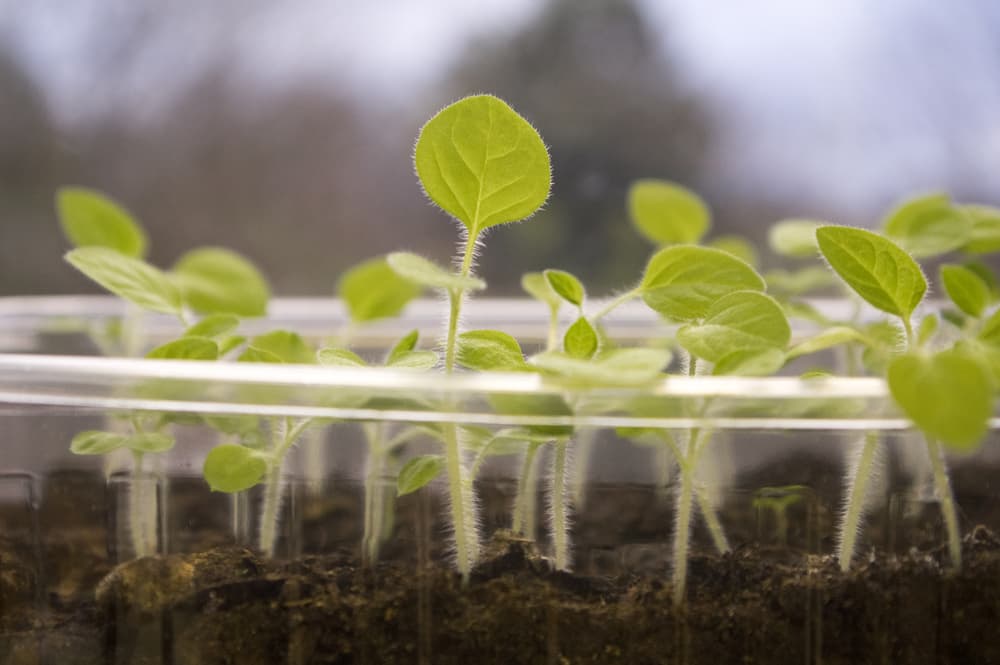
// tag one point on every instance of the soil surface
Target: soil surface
(777, 598)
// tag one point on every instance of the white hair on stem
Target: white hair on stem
(864, 468)
(559, 505)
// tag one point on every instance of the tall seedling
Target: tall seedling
(485, 165)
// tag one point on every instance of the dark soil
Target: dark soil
(762, 603)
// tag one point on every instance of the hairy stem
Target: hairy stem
(682, 531)
(285, 435)
(620, 300)
(524, 502)
(141, 511)
(857, 481)
(552, 343)
(584, 450)
(942, 487)
(373, 493)
(560, 509)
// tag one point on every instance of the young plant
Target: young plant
(485, 165)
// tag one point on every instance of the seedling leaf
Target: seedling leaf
(966, 289)
(580, 340)
(566, 286)
(424, 272)
(826, 339)
(794, 237)
(126, 277)
(91, 219)
(372, 290)
(667, 213)
(92, 442)
(948, 395)
(750, 362)
(798, 282)
(929, 225)
(150, 442)
(739, 322)
(414, 360)
(281, 346)
(214, 280)
(333, 357)
(417, 472)
(985, 235)
(618, 367)
(482, 163)
(186, 348)
(738, 246)
(537, 286)
(682, 282)
(230, 468)
(213, 325)
(874, 267)
(490, 350)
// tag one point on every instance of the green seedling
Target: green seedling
(109, 249)
(777, 501)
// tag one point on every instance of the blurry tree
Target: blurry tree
(597, 83)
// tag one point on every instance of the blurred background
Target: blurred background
(285, 129)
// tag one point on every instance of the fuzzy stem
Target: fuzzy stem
(373, 512)
(553, 339)
(139, 510)
(942, 487)
(524, 502)
(857, 489)
(620, 300)
(682, 531)
(287, 434)
(581, 466)
(560, 518)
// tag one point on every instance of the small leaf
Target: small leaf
(826, 339)
(537, 286)
(93, 442)
(545, 405)
(332, 357)
(213, 325)
(214, 280)
(618, 367)
(984, 273)
(794, 237)
(966, 289)
(566, 286)
(230, 342)
(230, 468)
(799, 282)
(281, 346)
(91, 219)
(682, 282)
(482, 163)
(372, 290)
(667, 213)
(150, 442)
(928, 326)
(490, 350)
(750, 362)
(875, 268)
(417, 472)
(406, 343)
(580, 340)
(131, 279)
(928, 225)
(186, 348)
(949, 396)
(414, 360)
(738, 246)
(990, 332)
(424, 272)
(985, 235)
(740, 321)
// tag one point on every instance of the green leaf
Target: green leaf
(617, 367)
(424, 272)
(230, 468)
(740, 321)
(282, 346)
(750, 362)
(414, 360)
(150, 442)
(186, 348)
(667, 213)
(214, 280)
(490, 350)
(928, 225)
(417, 472)
(985, 235)
(482, 163)
(545, 405)
(966, 289)
(126, 277)
(372, 290)
(91, 219)
(537, 286)
(738, 246)
(826, 339)
(213, 325)
(230, 342)
(990, 332)
(580, 340)
(92, 442)
(334, 357)
(406, 343)
(566, 286)
(949, 396)
(682, 282)
(874, 267)
(794, 237)
(928, 326)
